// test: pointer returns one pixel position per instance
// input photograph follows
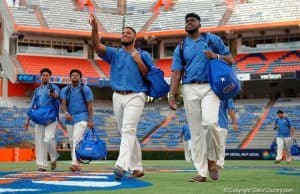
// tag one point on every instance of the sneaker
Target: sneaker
(137, 174)
(119, 172)
(53, 165)
(277, 161)
(74, 168)
(198, 179)
(41, 169)
(213, 170)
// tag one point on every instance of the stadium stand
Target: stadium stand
(282, 61)
(267, 134)
(111, 4)
(256, 11)
(111, 22)
(53, 10)
(210, 12)
(59, 66)
(24, 16)
(105, 67)
(138, 13)
(165, 65)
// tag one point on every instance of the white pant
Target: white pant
(44, 143)
(221, 161)
(202, 109)
(75, 135)
(187, 146)
(128, 110)
(283, 143)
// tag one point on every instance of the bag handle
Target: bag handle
(93, 133)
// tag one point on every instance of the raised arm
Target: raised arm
(98, 46)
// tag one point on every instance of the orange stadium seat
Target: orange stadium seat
(282, 61)
(165, 65)
(59, 66)
(104, 66)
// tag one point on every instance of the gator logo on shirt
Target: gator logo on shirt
(36, 182)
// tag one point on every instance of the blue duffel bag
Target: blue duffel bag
(90, 147)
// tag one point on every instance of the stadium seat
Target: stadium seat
(59, 66)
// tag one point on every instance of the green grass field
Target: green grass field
(169, 177)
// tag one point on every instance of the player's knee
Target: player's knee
(129, 130)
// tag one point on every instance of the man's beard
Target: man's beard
(45, 82)
(127, 43)
(192, 30)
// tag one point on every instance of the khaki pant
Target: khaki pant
(202, 109)
(283, 143)
(75, 135)
(221, 161)
(128, 110)
(45, 143)
(187, 146)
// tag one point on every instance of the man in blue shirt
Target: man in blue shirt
(45, 95)
(76, 101)
(186, 136)
(200, 102)
(127, 78)
(226, 107)
(285, 131)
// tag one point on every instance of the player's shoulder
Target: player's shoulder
(212, 37)
(86, 88)
(64, 89)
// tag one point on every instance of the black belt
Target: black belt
(124, 92)
(199, 82)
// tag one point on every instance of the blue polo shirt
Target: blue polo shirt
(76, 104)
(225, 105)
(196, 61)
(283, 127)
(124, 73)
(41, 95)
(186, 133)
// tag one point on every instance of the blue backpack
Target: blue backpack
(44, 115)
(157, 86)
(221, 76)
(222, 79)
(90, 147)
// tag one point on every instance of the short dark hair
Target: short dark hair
(76, 71)
(279, 112)
(45, 70)
(193, 15)
(131, 28)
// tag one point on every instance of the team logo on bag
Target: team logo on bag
(229, 88)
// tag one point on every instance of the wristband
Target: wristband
(218, 56)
